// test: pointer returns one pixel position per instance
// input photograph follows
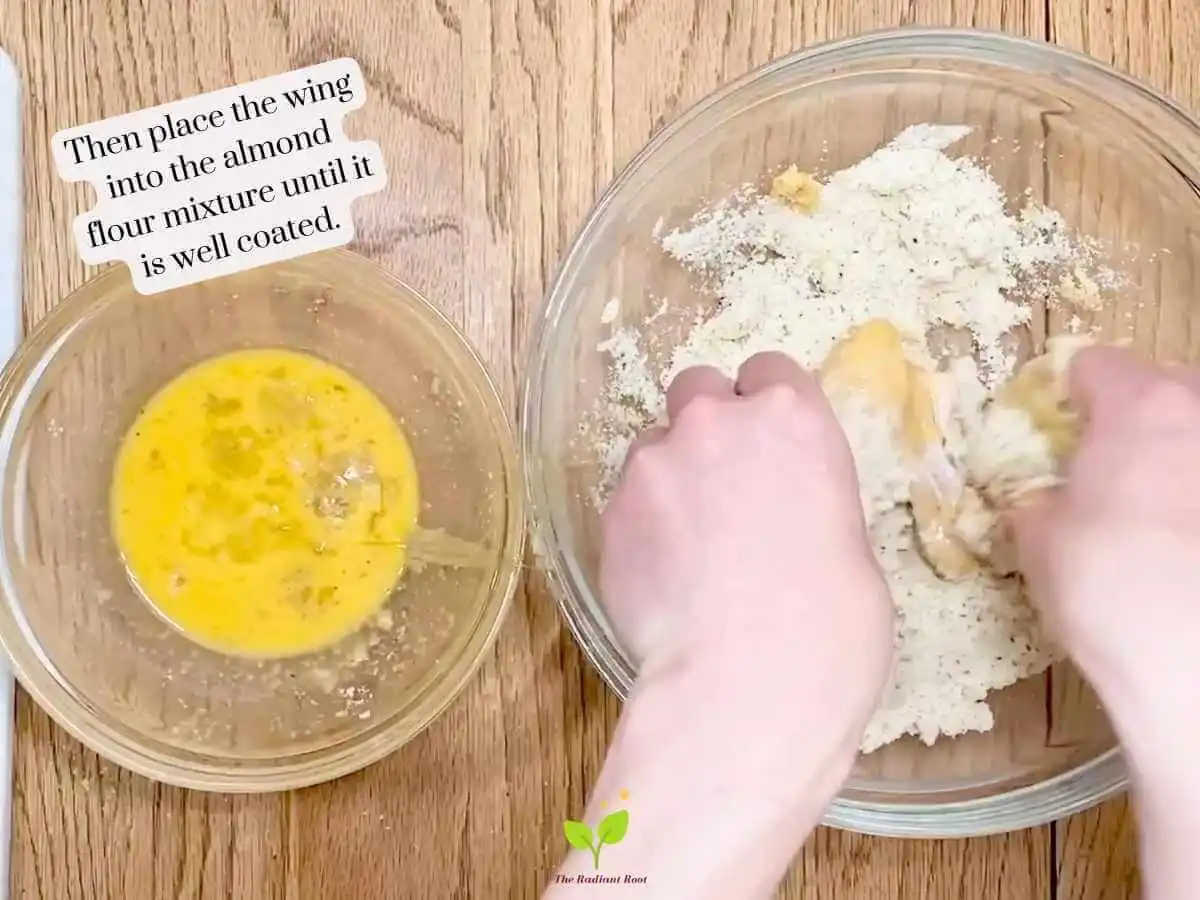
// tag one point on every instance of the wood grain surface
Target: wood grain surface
(500, 121)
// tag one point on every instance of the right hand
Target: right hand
(737, 567)
(1112, 558)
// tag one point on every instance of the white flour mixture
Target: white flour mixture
(924, 241)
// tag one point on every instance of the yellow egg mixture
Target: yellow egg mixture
(262, 501)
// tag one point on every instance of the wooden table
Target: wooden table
(501, 121)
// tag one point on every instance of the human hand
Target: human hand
(736, 568)
(1113, 556)
(737, 564)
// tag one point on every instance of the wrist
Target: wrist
(1166, 799)
(1160, 754)
(1158, 730)
(712, 811)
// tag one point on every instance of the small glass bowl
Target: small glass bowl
(1118, 160)
(94, 654)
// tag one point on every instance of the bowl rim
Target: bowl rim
(70, 710)
(1062, 794)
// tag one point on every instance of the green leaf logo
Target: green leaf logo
(612, 827)
(578, 834)
(611, 830)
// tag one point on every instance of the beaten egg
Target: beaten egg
(262, 502)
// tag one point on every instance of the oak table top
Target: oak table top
(501, 121)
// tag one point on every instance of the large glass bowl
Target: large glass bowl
(1118, 160)
(122, 679)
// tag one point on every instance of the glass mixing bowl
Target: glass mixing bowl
(122, 679)
(1118, 160)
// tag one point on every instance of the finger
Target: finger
(1104, 381)
(1031, 531)
(647, 438)
(695, 382)
(1030, 524)
(767, 369)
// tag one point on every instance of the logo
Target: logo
(610, 830)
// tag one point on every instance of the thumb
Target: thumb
(1033, 525)
(1034, 528)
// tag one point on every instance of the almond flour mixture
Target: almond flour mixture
(903, 280)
